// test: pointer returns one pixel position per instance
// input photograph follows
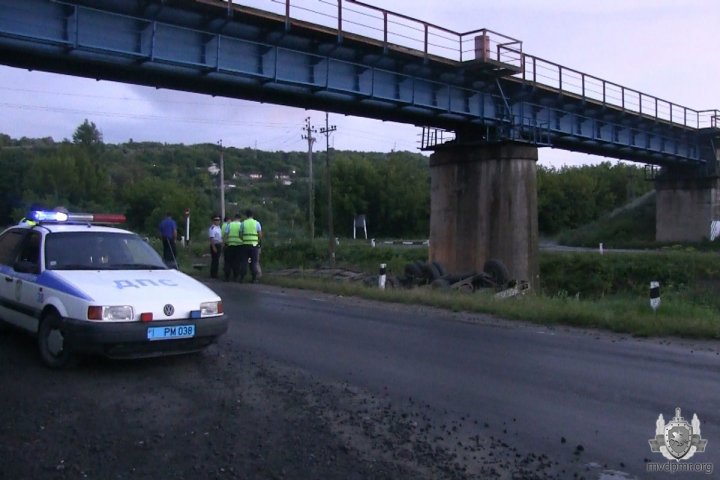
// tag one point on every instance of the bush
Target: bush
(594, 275)
(353, 255)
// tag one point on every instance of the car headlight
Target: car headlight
(210, 308)
(113, 313)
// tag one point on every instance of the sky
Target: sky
(665, 48)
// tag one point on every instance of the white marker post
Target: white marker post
(654, 295)
(187, 225)
(601, 249)
(382, 276)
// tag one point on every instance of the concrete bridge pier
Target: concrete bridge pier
(484, 206)
(685, 208)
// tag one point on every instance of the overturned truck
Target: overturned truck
(494, 277)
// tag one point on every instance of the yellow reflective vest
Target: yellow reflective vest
(250, 232)
(233, 236)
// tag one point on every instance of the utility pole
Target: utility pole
(326, 131)
(309, 130)
(222, 183)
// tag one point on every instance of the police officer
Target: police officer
(216, 246)
(251, 232)
(233, 242)
(27, 221)
(223, 233)
(28, 218)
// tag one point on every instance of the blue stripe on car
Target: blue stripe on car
(53, 280)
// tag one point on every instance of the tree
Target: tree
(392, 190)
(355, 185)
(70, 176)
(404, 195)
(573, 196)
(88, 135)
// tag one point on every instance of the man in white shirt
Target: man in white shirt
(216, 245)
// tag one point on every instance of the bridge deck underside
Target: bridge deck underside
(200, 48)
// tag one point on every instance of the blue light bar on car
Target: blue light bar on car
(48, 216)
(51, 216)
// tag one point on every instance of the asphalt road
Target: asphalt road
(587, 400)
(312, 386)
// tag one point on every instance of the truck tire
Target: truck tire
(439, 268)
(498, 272)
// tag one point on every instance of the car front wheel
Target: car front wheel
(51, 342)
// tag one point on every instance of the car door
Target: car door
(26, 268)
(10, 242)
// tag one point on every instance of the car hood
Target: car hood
(144, 290)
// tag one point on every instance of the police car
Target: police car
(87, 288)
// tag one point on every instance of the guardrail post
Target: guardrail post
(385, 31)
(426, 40)
(654, 295)
(287, 15)
(560, 79)
(340, 27)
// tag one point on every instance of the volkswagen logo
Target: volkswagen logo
(168, 310)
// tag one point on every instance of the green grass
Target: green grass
(608, 292)
(625, 314)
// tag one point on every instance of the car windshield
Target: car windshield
(94, 250)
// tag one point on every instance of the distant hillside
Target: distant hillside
(144, 180)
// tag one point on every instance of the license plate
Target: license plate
(169, 333)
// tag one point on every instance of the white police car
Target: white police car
(86, 288)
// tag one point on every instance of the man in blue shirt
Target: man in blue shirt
(168, 233)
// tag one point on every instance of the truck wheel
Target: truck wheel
(439, 268)
(497, 271)
(51, 342)
(413, 273)
(440, 283)
(426, 272)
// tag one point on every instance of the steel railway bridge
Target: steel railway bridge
(484, 104)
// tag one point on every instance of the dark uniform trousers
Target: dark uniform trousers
(215, 259)
(232, 261)
(249, 254)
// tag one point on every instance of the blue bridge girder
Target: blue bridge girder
(488, 92)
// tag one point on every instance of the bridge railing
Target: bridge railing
(484, 44)
(710, 118)
(589, 87)
(397, 30)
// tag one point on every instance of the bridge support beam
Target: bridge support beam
(484, 206)
(685, 209)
